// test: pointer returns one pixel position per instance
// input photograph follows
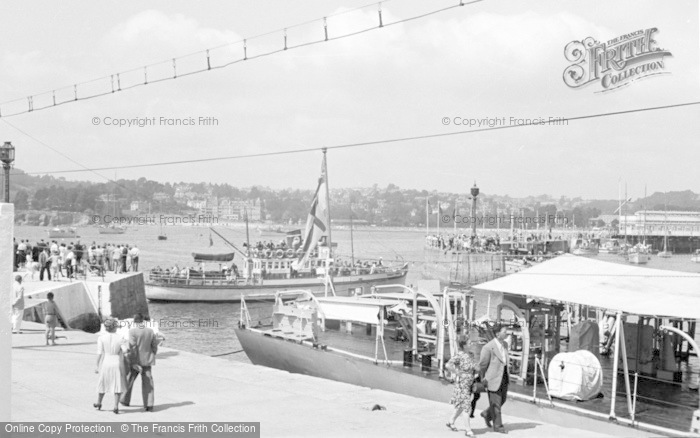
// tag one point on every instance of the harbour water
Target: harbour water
(208, 328)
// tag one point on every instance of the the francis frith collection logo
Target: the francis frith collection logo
(615, 63)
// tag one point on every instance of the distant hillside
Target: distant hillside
(41, 200)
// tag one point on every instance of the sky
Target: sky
(491, 59)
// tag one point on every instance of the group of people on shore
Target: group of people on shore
(463, 242)
(67, 260)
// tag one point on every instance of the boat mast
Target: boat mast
(352, 240)
(247, 233)
(644, 220)
(427, 217)
(454, 217)
(438, 217)
(625, 215)
(665, 226)
(328, 205)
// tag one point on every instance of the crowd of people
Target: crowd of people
(463, 242)
(484, 243)
(69, 260)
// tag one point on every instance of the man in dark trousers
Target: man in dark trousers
(45, 264)
(144, 346)
(493, 366)
(125, 252)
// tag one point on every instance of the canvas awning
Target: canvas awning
(613, 286)
(353, 309)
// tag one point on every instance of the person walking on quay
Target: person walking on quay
(116, 257)
(110, 349)
(44, 264)
(50, 318)
(55, 264)
(134, 258)
(465, 369)
(17, 305)
(125, 252)
(493, 366)
(69, 261)
(144, 345)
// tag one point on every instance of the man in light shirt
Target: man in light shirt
(17, 305)
(493, 366)
(134, 258)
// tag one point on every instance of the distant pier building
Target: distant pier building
(681, 227)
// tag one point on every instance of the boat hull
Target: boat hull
(110, 231)
(205, 292)
(585, 252)
(301, 359)
(294, 357)
(637, 259)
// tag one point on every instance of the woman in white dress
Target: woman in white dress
(112, 376)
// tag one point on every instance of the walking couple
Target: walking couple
(492, 369)
(120, 361)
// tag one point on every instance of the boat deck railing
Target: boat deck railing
(222, 279)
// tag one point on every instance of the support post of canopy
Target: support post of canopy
(415, 322)
(440, 347)
(616, 358)
(625, 367)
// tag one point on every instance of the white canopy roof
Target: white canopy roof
(353, 308)
(631, 289)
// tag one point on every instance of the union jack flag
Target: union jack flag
(316, 225)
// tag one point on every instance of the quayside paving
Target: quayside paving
(58, 383)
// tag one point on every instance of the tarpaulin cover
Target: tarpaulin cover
(575, 376)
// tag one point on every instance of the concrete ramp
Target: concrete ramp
(84, 304)
(74, 302)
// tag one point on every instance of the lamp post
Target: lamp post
(475, 193)
(7, 156)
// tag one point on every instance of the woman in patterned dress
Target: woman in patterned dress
(464, 368)
(110, 349)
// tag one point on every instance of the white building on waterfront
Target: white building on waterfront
(678, 223)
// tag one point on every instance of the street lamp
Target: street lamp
(475, 193)
(7, 156)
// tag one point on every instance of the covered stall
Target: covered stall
(667, 304)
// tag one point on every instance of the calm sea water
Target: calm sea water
(209, 328)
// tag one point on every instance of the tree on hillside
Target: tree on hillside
(21, 200)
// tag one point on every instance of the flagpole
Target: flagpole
(427, 217)
(328, 205)
(247, 234)
(454, 217)
(438, 218)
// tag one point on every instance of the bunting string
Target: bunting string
(331, 27)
